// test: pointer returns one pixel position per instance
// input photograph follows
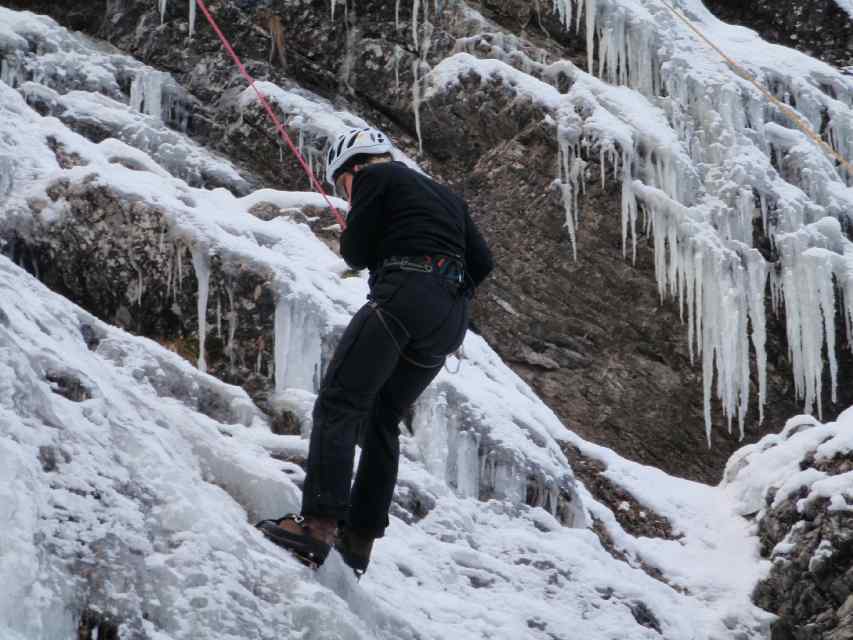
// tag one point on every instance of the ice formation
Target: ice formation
(707, 165)
(164, 4)
(705, 170)
(201, 263)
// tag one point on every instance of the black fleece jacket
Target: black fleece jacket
(397, 211)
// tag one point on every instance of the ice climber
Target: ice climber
(425, 257)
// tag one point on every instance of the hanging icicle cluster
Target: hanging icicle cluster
(715, 158)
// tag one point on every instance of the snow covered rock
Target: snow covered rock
(799, 487)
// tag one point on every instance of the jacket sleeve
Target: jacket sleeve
(359, 240)
(478, 256)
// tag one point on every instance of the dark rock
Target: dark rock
(91, 338)
(643, 615)
(95, 625)
(411, 504)
(285, 424)
(819, 28)
(67, 385)
(49, 458)
(64, 158)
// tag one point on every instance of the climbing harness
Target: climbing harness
(446, 267)
(381, 313)
(263, 100)
(798, 120)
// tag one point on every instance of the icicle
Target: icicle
(163, 4)
(757, 280)
(416, 103)
(231, 316)
(629, 209)
(563, 8)
(572, 170)
(415, 9)
(201, 263)
(397, 15)
(192, 18)
(332, 10)
(218, 316)
(826, 299)
(397, 67)
(146, 92)
(282, 339)
(591, 6)
(169, 276)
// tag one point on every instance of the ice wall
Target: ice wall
(708, 169)
(708, 166)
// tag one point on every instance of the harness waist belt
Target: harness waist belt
(449, 267)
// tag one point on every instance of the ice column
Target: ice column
(757, 270)
(416, 102)
(192, 18)
(431, 431)
(467, 464)
(422, 46)
(629, 208)
(282, 342)
(298, 346)
(572, 168)
(201, 263)
(146, 92)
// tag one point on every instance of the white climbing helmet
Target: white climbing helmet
(352, 143)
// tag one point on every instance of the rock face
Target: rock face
(820, 28)
(590, 335)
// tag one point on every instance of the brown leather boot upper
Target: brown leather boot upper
(323, 529)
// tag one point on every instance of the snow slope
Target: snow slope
(135, 504)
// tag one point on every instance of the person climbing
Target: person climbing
(426, 257)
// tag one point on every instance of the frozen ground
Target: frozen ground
(125, 498)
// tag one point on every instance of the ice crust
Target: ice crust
(706, 164)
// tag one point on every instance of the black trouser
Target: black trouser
(390, 352)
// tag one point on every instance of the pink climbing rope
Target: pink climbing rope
(278, 125)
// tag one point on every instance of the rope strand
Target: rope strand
(263, 100)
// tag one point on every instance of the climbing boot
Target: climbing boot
(309, 538)
(355, 548)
